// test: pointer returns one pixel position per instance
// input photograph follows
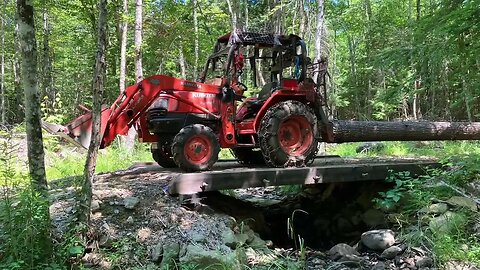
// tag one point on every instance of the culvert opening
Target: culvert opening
(322, 215)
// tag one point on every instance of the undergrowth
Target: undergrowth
(25, 236)
(409, 196)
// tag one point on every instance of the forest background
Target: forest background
(411, 59)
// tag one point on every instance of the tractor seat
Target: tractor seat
(253, 105)
(266, 91)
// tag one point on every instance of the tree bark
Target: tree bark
(16, 67)
(195, 26)
(98, 86)
(303, 19)
(123, 46)
(181, 60)
(234, 9)
(319, 37)
(47, 79)
(138, 40)
(362, 131)
(28, 49)
(3, 109)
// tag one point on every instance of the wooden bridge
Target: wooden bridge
(325, 169)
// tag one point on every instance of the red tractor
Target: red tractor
(187, 123)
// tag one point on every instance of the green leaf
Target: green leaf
(75, 250)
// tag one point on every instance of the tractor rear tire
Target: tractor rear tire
(163, 155)
(288, 135)
(195, 148)
(248, 156)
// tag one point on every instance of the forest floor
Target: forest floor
(137, 225)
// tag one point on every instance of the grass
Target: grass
(439, 149)
(72, 162)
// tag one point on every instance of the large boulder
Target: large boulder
(464, 202)
(199, 258)
(446, 222)
(378, 239)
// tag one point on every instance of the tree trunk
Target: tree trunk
(234, 8)
(303, 19)
(130, 140)
(195, 26)
(138, 40)
(318, 38)
(362, 131)
(3, 109)
(181, 60)
(123, 46)
(47, 88)
(16, 67)
(98, 86)
(28, 49)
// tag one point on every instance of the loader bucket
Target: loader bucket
(79, 131)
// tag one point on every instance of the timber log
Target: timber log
(362, 131)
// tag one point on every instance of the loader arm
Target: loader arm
(123, 113)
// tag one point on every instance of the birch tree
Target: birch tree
(319, 36)
(47, 83)
(123, 46)
(28, 50)
(98, 86)
(138, 40)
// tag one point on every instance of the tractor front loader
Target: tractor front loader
(187, 122)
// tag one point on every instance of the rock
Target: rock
(212, 259)
(373, 217)
(446, 222)
(424, 262)
(229, 239)
(456, 265)
(465, 202)
(198, 237)
(170, 255)
(379, 266)
(130, 202)
(263, 202)
(436, 208)
(378, 239)
(156, 252)
(370, 147)
(351, 260)
(341, 250)
(253, 239)
(391, 252)
(95, 205)
(130, 219)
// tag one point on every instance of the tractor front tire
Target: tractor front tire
(163, 155)
(288, 135)
(195, 148)
(248, 156)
